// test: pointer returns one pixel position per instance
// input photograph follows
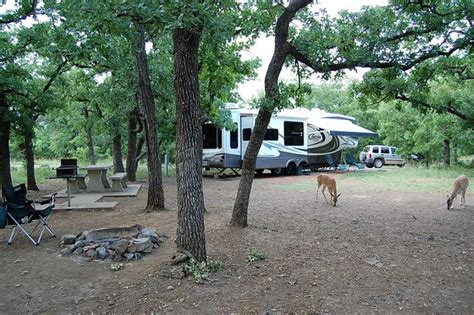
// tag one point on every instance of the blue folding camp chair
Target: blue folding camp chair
(350, 160)
(21, 211)
(330, 161)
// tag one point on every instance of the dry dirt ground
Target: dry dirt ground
(379, 251)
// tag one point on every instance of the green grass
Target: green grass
(409, 178)
(405, 179)
(46, 168)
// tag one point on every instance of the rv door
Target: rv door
(246, 125)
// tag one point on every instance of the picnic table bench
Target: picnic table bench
(119, 181)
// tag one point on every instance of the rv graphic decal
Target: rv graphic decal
(315, 135)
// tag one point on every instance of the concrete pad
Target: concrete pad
(85, 200)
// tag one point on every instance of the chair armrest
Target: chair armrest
(43, 202)
(51, 200)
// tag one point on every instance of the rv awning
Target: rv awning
(344, 127)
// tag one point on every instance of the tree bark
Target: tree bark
(117, 153)
(190, 232)
(132, 147)
(156, 197)
(446, 153)
(455, 153)
(90, 139)
(30, 161)
(239, 213)
(5, 170)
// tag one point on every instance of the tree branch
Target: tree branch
(448, 108)
(25, 11)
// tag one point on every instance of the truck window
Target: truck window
(234, 138)
(393, 150)
(271, 134)
(375, 150)
(385, 150)
(246, 132)
(293, 133)
(211, 137)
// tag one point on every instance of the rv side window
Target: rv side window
(234, 138)
(293, 133)
(211, 137)
(246, 132)
(271, 134)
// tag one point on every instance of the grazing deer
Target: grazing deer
(460, 187)
(330, 183)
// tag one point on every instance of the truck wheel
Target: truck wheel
(378, 163)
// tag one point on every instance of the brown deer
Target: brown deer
(330, 183)
(460, 187)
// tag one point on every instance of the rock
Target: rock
(374, 262)
(69, 239)
(143, 245)
(170, 288)
(117, 258)
(91, 253)
(78, 251)
(119, 246)
(92, 246)
(111, 253)
(132, 256)
(66, 251)
(102, 253)
(170, 272)
(132, 248)
(151, 234)
(79, 244)
(153, 238)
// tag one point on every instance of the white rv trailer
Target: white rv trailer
(295, 139)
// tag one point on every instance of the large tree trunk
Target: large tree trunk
(190, 232)
(446, 153)
(90, 139)
(239, 213)
(455, 153)
(117, 153)
(5, 171)
(241, 203)
(156, 197)
(30, 161)
(132, 147)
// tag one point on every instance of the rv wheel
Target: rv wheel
(277, 171)
(291, 169)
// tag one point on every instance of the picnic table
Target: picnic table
(97, 177)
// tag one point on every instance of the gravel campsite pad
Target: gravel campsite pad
(384, 249)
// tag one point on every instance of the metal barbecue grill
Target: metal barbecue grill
(68, 168)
